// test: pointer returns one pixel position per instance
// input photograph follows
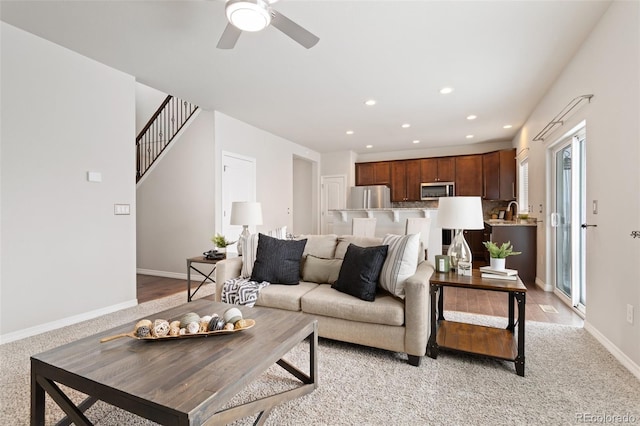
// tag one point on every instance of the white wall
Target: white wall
(65, 255)
(608, 66)
(274, 167)
(148, 100)
(304, 205)
(176, 202)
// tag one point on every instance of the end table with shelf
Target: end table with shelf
(493, 342)
(207, 277)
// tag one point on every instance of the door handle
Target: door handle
(584, 225)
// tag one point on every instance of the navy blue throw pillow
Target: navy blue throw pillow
(360, 271)
(278, 261)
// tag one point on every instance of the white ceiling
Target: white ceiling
(499, 56)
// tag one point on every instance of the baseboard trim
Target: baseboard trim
(613, 349)
(166, 274)
(64, 322)
(543, 286)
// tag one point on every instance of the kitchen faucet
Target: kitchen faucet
(515, 215)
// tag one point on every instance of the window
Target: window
(523, 185)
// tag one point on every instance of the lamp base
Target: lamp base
(459, 250)
(243, 238)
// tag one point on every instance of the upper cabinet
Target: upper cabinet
(405, 180)
(438, 169)
(499, 175)
(469, 175)
(377, 173)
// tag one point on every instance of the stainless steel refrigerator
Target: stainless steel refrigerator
(370, 197)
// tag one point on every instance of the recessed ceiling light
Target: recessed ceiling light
(369, 146)
(446, 90)
(349, 132)
(416, 141)
(471, 117)
(507, 126)
(370, 102)
(406, 125)
(469, 136)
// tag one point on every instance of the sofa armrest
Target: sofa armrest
(416, 310)
(225, 270)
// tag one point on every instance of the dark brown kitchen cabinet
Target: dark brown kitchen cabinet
(474, 239)
(438, 169)
(469, 175)
(508, 174)
(523, 239)
(405, 180)
(499, 175)
(376, 173)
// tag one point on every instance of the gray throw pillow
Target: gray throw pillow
(277, 261)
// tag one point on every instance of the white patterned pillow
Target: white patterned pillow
(250, 248)
(401, 262)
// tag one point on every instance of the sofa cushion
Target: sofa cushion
(285, 297)
(277, 261)
(345, 240)
(360, 271)
(319, 270)
(401, 262)
(326, 301)
(320, 245)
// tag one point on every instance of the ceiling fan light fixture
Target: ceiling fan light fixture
(248, 15)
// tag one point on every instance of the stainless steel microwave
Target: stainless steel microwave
(433, 191)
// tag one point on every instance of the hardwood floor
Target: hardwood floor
(455, 299)
(151, 288)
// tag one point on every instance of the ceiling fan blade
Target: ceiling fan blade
(229, 37)
(293, 30)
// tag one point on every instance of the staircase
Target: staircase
(161, 129)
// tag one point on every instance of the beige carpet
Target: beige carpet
(569, 377)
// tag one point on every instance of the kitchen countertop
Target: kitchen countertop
(518, 222)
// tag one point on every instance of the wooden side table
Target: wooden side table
(207, 277)
(493, 342)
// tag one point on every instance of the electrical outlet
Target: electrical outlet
(630, 314)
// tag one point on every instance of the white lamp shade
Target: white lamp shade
(460, 213)
(246, 213)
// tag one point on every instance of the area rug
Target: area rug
(570, 379)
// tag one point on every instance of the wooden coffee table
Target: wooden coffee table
(476, 339)
(185, 381)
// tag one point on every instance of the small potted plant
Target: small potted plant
(221, 242)
(499, 253)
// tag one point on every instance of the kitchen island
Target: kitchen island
(391, 220)
(523, 236)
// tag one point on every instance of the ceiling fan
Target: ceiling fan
(256, 15)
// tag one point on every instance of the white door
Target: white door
(334, 196)
(238, 184)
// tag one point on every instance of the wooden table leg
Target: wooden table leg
(432, 345)
(37, 400)
(511, 325)
(188, 280)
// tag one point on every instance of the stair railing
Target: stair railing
(158, 133)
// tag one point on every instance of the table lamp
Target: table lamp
(460, 213)
(245, 213)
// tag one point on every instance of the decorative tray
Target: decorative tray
(250, 323)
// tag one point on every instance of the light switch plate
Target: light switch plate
(94, 176)
(595, 206)
(121, 209)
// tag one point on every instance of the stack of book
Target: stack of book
(499, 274)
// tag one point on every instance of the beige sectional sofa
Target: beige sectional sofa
(391, 323)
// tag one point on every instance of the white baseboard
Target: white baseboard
(615, 351)
(64, 322)
(166, 274)
(543, 286)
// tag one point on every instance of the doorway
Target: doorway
(568, 206)
(238, 183)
